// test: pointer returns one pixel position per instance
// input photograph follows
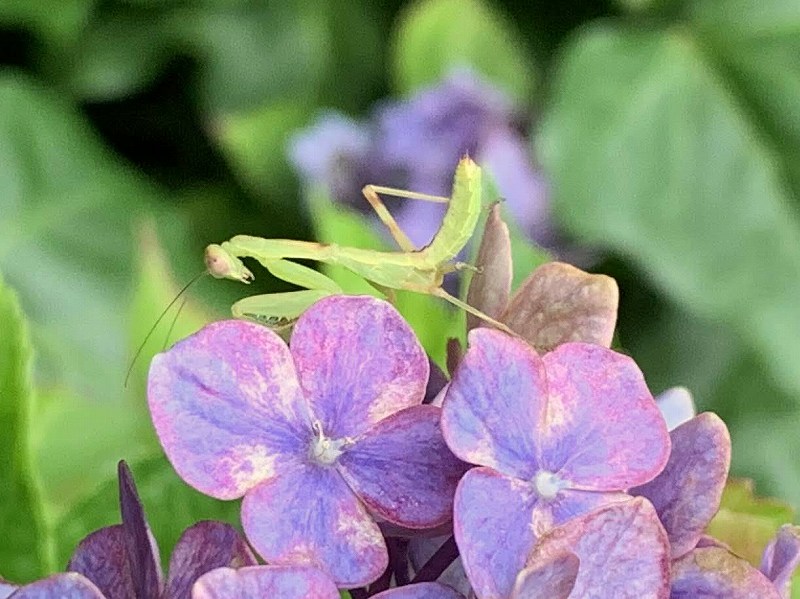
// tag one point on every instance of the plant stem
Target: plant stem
(434, 567)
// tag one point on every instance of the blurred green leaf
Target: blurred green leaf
(171, 506)
(254, 144)
(433, 319)
(651, 155)
(65, 238)
(119, 52)
(435, 36)
(73, 465)
(58, 26)
(25, 551)
(156, 289)
(755, 45)
(747, 522)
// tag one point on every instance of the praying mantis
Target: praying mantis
(419, 270)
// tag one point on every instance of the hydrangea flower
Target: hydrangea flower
(555, 437)
(122, 561)
(317, 438)
(676, 405)
(620, 548)
(416, 143)
(687, 493)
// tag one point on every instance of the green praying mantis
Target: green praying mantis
(419, 270)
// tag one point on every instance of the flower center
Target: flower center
(324, 450)
(548, 484)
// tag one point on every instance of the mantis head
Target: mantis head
(221, 264)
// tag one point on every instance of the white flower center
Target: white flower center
(548, 484)
(324, 450)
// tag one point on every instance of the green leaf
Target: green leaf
(651, 155)
(65, 238)
(25, 552)
(755, 45)
(171, 506)
(435, 36)
(254, 143)
(73, 465)
(433, 320)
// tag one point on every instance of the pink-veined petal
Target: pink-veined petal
(715, 573)
(358, 362)
(495, 404)
(260, 582)
(402, 469)
(227, 407)
(310, 516)
(688, 491)
(603, 430)
(492, 526)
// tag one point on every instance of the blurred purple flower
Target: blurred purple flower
(676, 405)
(315, 438)
(620, 548)
(556, 436)
(416, 143)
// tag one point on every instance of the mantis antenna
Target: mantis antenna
(183, 290)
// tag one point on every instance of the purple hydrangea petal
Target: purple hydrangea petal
(310, 516)
(492, 526)
(676, 405)
(258, 582)
(569, 504)
(709, 541)
(688, 491)
(6, 588)
(715, 573)
(421, 590)
(551, 578)
(623, 549)
(495, 404)
(504, 153)
(142, 550)
(782, 557)
(227, 407)
(102, 557)
(402, 469)
(358, 362)
(604, 431)
(204, 547)
(59, 586)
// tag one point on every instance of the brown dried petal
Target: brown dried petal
(491, 286)
(559, 303)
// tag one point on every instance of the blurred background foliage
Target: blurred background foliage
(134, 132)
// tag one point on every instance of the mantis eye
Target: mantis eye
(222, 265)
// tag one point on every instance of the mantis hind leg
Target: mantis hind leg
(371, 194)
(439, 292)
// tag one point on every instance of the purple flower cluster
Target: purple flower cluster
(415, 143)
(544, 462)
